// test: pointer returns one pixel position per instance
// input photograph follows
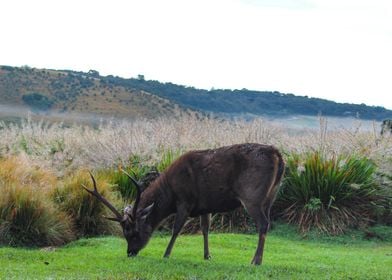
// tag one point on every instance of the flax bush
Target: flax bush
(330, 193)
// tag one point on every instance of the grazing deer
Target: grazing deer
(203, 182)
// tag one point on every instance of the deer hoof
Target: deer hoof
(256, 262)
(207, 257)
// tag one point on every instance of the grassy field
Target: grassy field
(287, 256)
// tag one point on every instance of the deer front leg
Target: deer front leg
(179, 222)
(205, 225)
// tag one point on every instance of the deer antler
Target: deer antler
(138, 192)
(95, 193)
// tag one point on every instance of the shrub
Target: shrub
(330, 194)
(28, 218)
(87, 213)
(37, 101)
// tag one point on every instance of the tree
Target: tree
(37, 101)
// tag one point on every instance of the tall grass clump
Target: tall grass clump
(328, 193)
(27, 218)
(87, 213)
(20, 171)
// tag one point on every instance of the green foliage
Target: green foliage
(167, 158)
(330, 194)
(27, 218)
(121, 182)
(37, 101)
(87, 213)
(139, 171)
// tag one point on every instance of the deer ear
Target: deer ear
(143, 214)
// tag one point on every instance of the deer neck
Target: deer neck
(159, 193)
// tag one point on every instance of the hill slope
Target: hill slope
(70, 91)
(252, 102)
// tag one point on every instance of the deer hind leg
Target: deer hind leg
(262, 221)
(205, 225)
(179, 222)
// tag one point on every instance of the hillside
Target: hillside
(70, 91)
(266, 103)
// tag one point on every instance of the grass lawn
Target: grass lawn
(286, 256)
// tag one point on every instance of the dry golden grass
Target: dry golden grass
(66, 149)
(18, 170)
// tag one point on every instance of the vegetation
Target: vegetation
(37, 101)
(324, 189)
(27, 217)
(287, 256)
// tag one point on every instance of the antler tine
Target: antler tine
(138, 192)
(95, 193)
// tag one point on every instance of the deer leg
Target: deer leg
(205, 225)
(179, 222)
(262, 225)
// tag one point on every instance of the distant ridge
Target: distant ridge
(67, 91)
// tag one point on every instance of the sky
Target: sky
(339, 50)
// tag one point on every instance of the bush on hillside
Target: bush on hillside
(37, 101)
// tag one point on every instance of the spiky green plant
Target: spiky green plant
(139, 170)
(167, 158)
(328, 193)
(121, 182)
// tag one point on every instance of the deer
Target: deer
(201, 183)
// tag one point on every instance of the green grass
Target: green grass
(287, 256)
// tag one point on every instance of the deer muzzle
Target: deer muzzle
(132, 254)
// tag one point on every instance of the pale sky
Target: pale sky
(335, 49)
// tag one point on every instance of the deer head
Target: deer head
(133, 222)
